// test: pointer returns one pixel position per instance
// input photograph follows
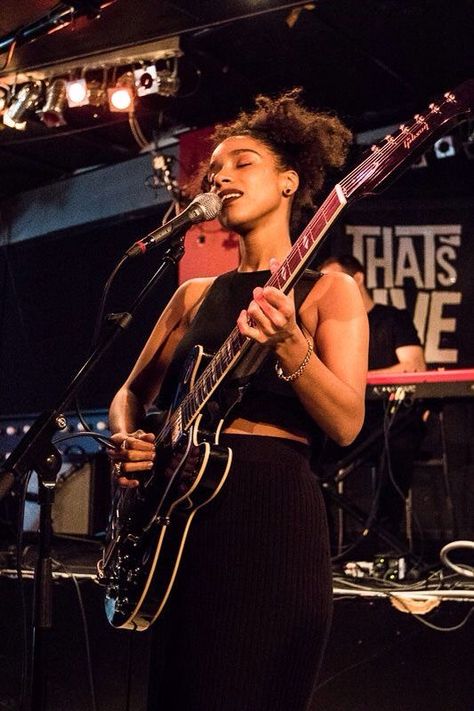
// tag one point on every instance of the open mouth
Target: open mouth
(229, 196)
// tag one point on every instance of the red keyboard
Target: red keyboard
(427, 384)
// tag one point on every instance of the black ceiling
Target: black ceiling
(374, 61)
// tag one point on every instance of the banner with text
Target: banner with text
(419, 255)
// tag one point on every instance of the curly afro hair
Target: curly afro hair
(309, 142)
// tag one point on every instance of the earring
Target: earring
(287, 191)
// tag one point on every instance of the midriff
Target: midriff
(244, 426)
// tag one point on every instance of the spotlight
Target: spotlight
(3, 99)
(52, 112)
(25, 100)
(122, 95)
(76, 93)
(444, 148)
(146, 80)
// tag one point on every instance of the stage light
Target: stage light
(3, 99)
(444, 147)
(146, 80)
(52, 112)
(77, 93)
(122, 95)
(120, 99)
(168, 80)
(24, 100)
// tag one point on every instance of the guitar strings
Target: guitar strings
(393, 142)
(232, 347)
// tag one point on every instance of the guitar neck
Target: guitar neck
(365, 179)
(236, 344)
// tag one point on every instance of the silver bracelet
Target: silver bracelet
(296, 374)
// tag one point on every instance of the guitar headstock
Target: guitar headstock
(394, 151)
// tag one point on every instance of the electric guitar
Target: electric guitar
(149, 524)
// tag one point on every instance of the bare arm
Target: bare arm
(332, 386)
(142, 386)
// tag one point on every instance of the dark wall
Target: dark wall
(51, 289)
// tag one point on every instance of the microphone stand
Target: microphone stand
(36, 452)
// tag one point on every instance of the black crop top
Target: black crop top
(267, 399)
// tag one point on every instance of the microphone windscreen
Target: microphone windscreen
(210, 204)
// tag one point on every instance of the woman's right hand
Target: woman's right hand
(134, 452)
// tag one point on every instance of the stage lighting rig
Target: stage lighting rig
(149, 68)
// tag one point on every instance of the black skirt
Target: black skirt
(249, 614)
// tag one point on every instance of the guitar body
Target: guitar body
(149, 524)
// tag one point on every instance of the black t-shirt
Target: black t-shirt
(389, 328)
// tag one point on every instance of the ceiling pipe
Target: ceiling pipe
(58, 17)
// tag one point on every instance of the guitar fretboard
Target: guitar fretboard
(385, 158)
(236, 344)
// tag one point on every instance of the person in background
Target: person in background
(249, 613)
(394, 347)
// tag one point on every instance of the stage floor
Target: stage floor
(385, 653)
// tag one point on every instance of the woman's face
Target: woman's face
(243, 171)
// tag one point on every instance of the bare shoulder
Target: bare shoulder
(192, 292)
(336, 287)
(194, 288)
(334, 295)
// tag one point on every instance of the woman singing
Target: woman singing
(248, 617)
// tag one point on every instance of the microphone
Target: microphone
(204, 207)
